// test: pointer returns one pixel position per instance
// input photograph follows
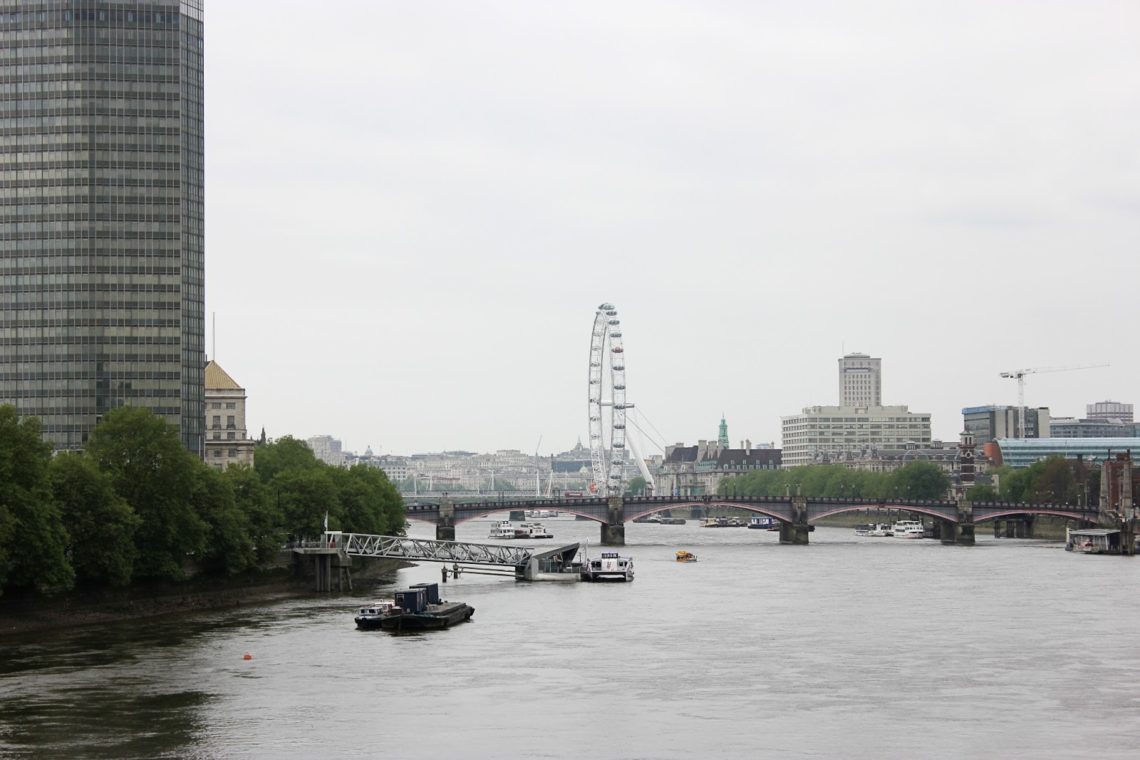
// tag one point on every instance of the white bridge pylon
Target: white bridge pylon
(607, 406)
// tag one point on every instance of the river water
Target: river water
(850, 647)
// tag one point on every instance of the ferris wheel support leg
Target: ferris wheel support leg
(613, 529)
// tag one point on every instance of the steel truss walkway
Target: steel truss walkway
(426, 550)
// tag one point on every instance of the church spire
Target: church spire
(722, 438)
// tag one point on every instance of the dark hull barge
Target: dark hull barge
(417, 608)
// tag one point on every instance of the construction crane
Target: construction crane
(1019, 375)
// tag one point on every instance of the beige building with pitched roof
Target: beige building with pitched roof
(227, 441)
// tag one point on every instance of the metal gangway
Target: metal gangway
(427, 550)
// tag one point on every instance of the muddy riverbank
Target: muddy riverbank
(30, 613)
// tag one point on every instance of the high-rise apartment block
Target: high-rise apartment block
(101, 213)
(860, 381)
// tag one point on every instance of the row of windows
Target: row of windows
(56, 232)
(86, 16)
(86, 322)
(78, 280)
(72, 336)
(218, 405)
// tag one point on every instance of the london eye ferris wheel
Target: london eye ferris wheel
(608, 406)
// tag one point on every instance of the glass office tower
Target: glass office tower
(101, 213)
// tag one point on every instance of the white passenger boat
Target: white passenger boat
(502, 529)
(908, 529)
(532, 530)
(879, 530)
(609, 567)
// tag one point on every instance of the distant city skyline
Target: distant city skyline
(411, 226)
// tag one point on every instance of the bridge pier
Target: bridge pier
(1128, 537)
(445, 526)
(961, 532)
(796, 532)
(613, 529)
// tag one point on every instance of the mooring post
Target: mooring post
(445, 525)
(613, 529)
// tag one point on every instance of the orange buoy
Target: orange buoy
(247, 656)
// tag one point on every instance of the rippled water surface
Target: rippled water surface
(850, 647)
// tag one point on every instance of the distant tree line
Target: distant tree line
(1054, 480)
(135, 506)
(915, 480)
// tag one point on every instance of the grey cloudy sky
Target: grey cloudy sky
(413, 209)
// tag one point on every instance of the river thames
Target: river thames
(850, 647)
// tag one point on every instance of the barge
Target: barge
(416, 608)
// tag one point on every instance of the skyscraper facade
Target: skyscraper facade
(860, 381)
(101, 212)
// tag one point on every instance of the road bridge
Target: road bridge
(954, 519)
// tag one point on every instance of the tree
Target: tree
(982, 492)
(100, 524)
(920, 480)
(151, 470)
(32, 536)
(305, 497)
(284, 454)
(251, 497)
(369, 502)
(1054, 482)
(636, 486)
(229, 545)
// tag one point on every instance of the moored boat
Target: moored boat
(908, 529)
(609, 567)
(368, 617)
(502, 529)
(532, 530)
(419, 608)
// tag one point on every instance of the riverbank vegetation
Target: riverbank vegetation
(135, 507)
(916, 480)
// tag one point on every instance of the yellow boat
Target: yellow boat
(684, 556)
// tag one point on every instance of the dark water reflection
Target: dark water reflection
(848, 648)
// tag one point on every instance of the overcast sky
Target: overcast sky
(414, 208)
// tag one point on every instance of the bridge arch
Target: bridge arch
(930, 511)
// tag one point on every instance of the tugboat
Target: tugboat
(417, 608)
(369, 616)
(610, 567)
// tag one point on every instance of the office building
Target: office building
(989, 423)
(860, 380)
(1109, 411)
(101, 213)
(1067, 427)
(823, 434)
(227, 440)
(1022, 452)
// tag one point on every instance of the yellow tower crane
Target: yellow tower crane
(1019, 375)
